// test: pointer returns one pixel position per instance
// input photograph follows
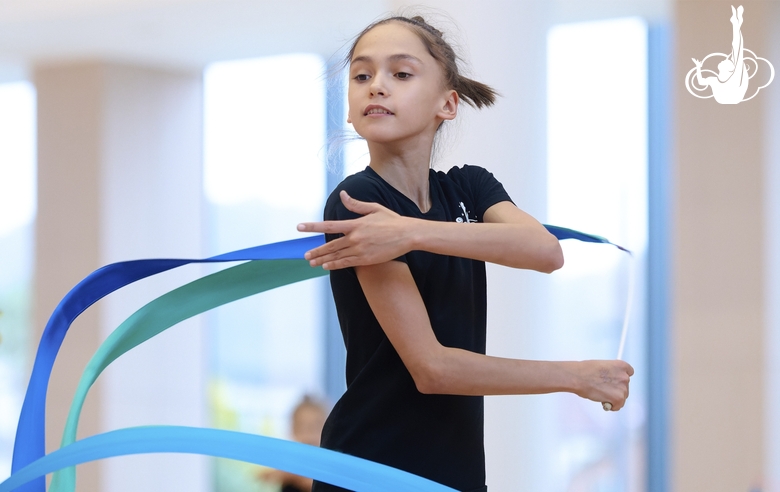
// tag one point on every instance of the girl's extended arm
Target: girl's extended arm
(507, 237)
(395, 300)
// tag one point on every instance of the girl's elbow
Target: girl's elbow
(428, 378)
(426, 385)
(554, 258)
(551, 257)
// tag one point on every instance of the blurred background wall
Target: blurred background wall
(122, 93)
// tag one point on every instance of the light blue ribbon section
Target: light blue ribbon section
(327, 466)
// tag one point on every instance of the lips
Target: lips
(376, 109)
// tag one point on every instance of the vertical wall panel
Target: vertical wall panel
(120, 178)
(718, 320)
(772, 258)
(68, 233)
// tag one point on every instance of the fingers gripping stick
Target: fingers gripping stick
(607, 406)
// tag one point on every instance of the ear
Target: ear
(449, 110)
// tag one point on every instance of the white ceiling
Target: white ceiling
(192, 33)
(173, 33)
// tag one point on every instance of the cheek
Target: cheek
(349, 113)
(351, 107)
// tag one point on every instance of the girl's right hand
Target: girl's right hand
(604, 381)
(378, 236)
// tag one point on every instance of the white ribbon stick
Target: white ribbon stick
(606, 405)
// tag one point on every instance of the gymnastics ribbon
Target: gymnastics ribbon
(162, 313)
(320, 464)
(31, 430)
(563, 233)
(155, 317)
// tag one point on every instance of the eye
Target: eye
(403, 75)
(361, 77)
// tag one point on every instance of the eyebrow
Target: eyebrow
(392, 58)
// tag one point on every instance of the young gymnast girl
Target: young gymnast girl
(407, 247)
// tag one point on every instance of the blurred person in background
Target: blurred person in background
(308, 417)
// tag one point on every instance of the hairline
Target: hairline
(412, 26)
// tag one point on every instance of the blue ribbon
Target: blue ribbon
(563, 233)
(320, 464)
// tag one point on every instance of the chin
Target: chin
(378, 137)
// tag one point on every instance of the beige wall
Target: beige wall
(113, 143)
(719, 325)
(67, 226)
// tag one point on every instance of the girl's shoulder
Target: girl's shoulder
(365, 185)
(361, 185)
(472, 187)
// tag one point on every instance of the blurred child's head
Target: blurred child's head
(307, 421)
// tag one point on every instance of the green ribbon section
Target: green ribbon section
(169, 309)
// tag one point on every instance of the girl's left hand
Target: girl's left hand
(379, 236)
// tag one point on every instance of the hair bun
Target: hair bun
(419, 20)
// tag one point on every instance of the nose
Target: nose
(377, 87)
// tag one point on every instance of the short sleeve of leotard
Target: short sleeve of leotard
(480, 184)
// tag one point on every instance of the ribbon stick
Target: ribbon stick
(564, 233)
(607, 406)
(627, 315)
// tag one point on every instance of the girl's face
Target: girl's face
(396, 88)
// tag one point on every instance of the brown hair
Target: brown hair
(475, 94)
(309, 401)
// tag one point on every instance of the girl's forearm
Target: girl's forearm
(509, 244)
(508, 236)
(460, 372)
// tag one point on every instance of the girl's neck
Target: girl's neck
(406, 171)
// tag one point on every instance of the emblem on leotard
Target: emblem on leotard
(735, 71)
(464, 215)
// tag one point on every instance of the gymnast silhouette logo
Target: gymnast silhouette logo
(730, 84)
